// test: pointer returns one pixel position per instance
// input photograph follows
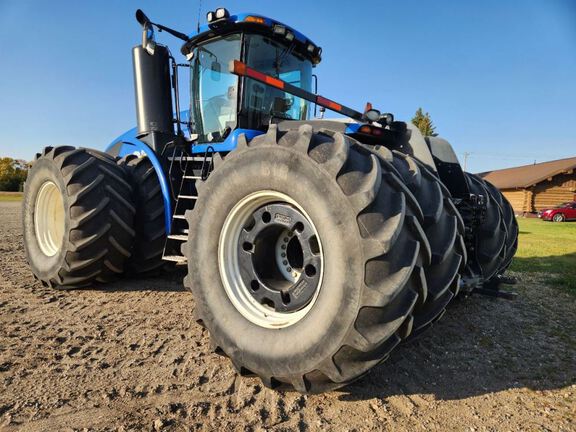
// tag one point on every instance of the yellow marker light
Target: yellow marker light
(255, 19)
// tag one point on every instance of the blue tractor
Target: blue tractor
(313, 247)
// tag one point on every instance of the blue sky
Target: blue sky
(498, 77)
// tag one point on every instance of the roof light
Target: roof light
(289, 36)
(255, 19)
(279, 29)
(210, 17)
(310, 48)
(222, 13)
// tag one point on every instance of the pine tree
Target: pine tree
(423, 122)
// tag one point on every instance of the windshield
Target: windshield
(261, 103)
(214, 96)
(564, 205)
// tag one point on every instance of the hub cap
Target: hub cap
(270, 259)
(49, 218)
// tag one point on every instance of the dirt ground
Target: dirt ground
(129, 356)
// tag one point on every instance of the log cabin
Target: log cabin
(531, 188)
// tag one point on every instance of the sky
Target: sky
(497, 77)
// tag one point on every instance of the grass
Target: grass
(10, 196)
(548, 247)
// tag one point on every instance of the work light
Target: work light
(279, 29)
(222, 13)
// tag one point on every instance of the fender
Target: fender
(448, 167)
(128, 144)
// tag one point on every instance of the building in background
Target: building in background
(530, 188)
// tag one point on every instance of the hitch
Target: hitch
(491, 288)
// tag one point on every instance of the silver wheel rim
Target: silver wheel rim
(557, 218)
(235, 288)
(49, 218)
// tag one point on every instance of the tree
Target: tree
(423, 122)
(12, 174)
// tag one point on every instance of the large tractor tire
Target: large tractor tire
(149, 221)
(77, 217)
(492, 235)
(511, 225)
(444, 230)
(306, 259)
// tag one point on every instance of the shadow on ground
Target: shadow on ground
(484, 345)
(168, 282)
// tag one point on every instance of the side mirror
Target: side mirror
(142, 18)
(372, 115)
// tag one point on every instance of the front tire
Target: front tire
(369, 251)
(558, 217)
(77, 217)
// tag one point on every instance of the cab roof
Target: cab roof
(241, 21)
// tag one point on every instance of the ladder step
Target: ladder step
(179, 217)
(174, 258)
(178, 237)
(191, 197)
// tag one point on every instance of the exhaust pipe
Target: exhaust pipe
(152, 84)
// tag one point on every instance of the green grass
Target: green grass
(548, 247)
(10, 196)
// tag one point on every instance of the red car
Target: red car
(563, 212)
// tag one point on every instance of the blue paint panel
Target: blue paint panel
(352, 128)
(131, 144)
(268, 21)
(229, 143)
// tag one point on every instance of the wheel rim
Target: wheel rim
(270, 259)
(557, 218)
(49, 218)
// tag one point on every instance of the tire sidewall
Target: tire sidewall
(558, 217)
(318, 335)
(43, 266)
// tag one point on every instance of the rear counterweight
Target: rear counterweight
(152, 84)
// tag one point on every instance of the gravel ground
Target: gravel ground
(129, 356)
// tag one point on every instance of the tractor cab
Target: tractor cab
(221, 101)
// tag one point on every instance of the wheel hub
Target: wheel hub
(270, 259)
(49, 218)
(279, 257)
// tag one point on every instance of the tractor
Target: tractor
(313, 246)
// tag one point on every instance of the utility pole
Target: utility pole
(466, 155)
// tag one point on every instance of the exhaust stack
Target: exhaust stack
(152, 84)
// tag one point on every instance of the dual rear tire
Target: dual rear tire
(77, 217)
(496, 240)
(88, 219)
